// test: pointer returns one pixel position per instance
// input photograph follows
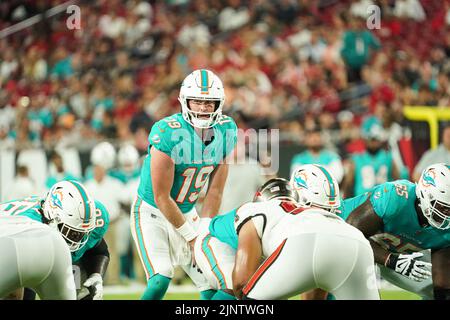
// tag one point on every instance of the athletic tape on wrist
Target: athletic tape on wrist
(187, 231)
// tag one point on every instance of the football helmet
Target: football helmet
(128, 157)
(372, 129)
(433, 192)
(277, 188)
(202, 85)
(104, 155)
(316, 186)
(69, 208)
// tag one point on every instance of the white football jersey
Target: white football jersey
(276, 220)
(12, 225)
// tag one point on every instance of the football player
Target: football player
(301, 242)
(34, 255)
(128, 173)
(404, 222)
(186, 149)
(82, 223)
(374, 166)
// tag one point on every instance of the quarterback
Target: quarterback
(186, 149)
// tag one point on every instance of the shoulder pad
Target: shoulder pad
(226, 122)
(102, 214)
(245, 213)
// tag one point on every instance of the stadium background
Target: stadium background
(287, 65)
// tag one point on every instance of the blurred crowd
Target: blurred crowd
(285, 64)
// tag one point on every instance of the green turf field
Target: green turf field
(385, 295)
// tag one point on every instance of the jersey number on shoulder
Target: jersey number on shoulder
(99, 222)
(17, 207)
(291, 207)
(200, 181)
(173, 123)
(401, 190)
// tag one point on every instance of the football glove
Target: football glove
(409, 265)
(95, 286)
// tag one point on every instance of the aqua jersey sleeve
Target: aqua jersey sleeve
(350, 204)
(160, 136)
(102, 224)
(389, 199)
(28, 207)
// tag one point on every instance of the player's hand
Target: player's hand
(410, 266)
(95, 286)
(192, 246)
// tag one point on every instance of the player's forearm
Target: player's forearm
(240, 279)
(96, 260)
(380, 254)
(170, 210)
(211, 205)
(213, 197)
(241, 276)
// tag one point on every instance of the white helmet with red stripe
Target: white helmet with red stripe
(316, 187)
(433, 192)
(202, 85)
(70, 208)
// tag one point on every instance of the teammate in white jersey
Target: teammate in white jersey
(37, 237)
(305, 247)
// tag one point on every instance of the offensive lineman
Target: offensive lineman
(82, 223)
(372, 167)
(305, 248)
(215, 252)
(402, 220)
(185, 150)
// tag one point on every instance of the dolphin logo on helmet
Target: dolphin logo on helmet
(56, 199)
(300, 180)
(428, 178)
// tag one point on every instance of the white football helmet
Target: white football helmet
(104, 155)
(433, 192)
(128, 157)
(316, 186)
(69, 208)
(202, 85)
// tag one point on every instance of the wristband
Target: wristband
(187, 231)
